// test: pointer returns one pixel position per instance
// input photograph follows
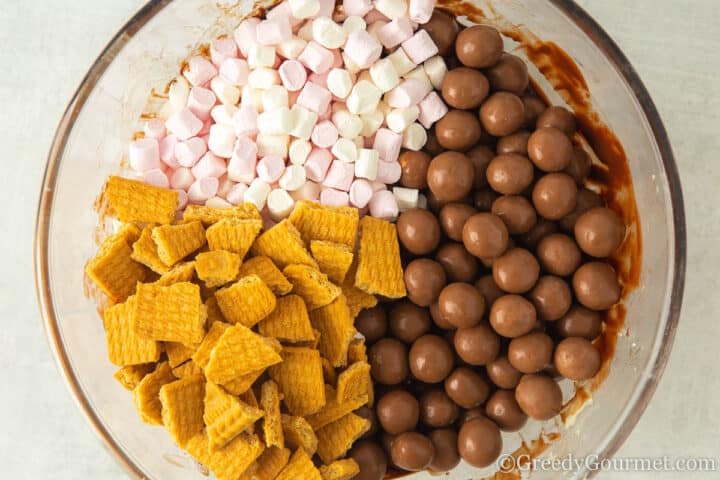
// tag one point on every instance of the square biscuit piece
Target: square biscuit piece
(238, 352)
(217, 267)
(135, 201)
(182, 408)
(289, 322)
(283, 245)
(210, 215)
(336, 329)
(312, 285)
(114, 271)
(268, 272)
(171, 314)
(125, 347)
(233, 235)
(379, 269)
(246, 301)
(300, 378)
(326, 223)
(175, 242)
(334, 259)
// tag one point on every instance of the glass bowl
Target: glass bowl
(91, 141)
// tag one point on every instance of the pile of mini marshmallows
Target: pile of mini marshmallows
(307, 104)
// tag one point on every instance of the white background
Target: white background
(47, 45)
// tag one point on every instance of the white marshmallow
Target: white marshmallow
(302, 9)
(222, 140)
(292, 48)
(345, 150)
(401, 118)
(353, 24)
(178, 94)
(328, 33)
(309, 191)
(261, 56)
(263, 78)
(401, 61)
(363, 98)
(371, 123)
(226, 93)
(422, 201)
(306, 32)
(275, 122)
(257, 193)
(293, 178)
(251, 97)
(350, 66)
(223, 114)
(348, 125)
(275, 97)
(272, 145)
(217, 202)
(414, 137)
(303, 122)
(407, 198)
(436, 70)
(279, 204)
(391, 8)
(299, 151)
(384, 75)
(339, 82)
(418, 73)
(366, 165)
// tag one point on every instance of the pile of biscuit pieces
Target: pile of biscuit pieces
(241, 341)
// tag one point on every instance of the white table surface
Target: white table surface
(47, 47)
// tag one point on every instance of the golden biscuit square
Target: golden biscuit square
(210, 215)
(239, 351)
(175, 242)
(379, 270)
(145, 251)
(135, 201)
(181, 272)
(334, 259)
(182, 408)
(114, 271)
(289, 322)
(230, 462)
(283, 245)
(299, 434)
(246, 301)
(243, 383)
(333, 410)
(312, 285)
(130, 376)
(217, 267)
(170, 314)
(146, 395)
(355, 382)
(336, 329)
(270, 397)
(268, 465)
(300, 466)
(357, 352)
(125, 347)
(226, 417)
(233, 235)
(340, 470)
(264, 268)
(178, 353)
(335, 439)
(187, 369)
(326, 223)
(201, 356)
(300, 379)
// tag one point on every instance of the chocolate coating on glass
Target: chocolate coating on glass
(558, 117)
(466, 387)
(465, 88)
(478, 345)
(431, 359)
(514, 143)
(458, 130)
(481, 156)
(398, 411)
(552, 298)
(424, 279)
(479, 442)
(461, 304)
(599, 231)
(516, 271)
(479, 46)
(450, 176)
(555, 195)
(485, 235)
(408, 322)
(509, 74)
(580, 165)
(550, 149)
(580, 322)
(453, 217)
(510, 174)
(371, 459)
(459, 264)
(530, 353)
(577, 359)
(596, 286)
(502, 114)
(512, 316)
(503, 409)
(443, 30)
(414, 169)
(502, 373)
(559, 254)
(539, 396)
(372, 323)
(412, 451)
(389, 361)
(418, 231)
(446, 456)
(517, 212)
(437, 409)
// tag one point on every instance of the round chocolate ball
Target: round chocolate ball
(481, 156)
(479, 442)
(552, 298)
(479, 46)
(558, 117)
(408, 322)
(372, 323)
(510, 174)
(461, 304)
(437, 409)
(530, 353)
(599, 231)
(389, 361)
(502, 114)
(453, 217)
(424, 279)
(516, 271)
(412, 451)
(485, 235)
(503, 409)
(431, 359)
(458, 130)
(446, 452)
(559, 254)
(577, 359)
(459, 264)
(539, 396)
(550, 149)
(512, 316)
(514, 143)
(418, 231)
(371, 459)
(464, 88)
(509, 74)
(414, 169)
(517, 212)
(443, 30)
(450, 176)
(555, 195)
(580, 322)
(438, 319)
(478, 345)
(466, 387)
(432, 146)
(502, 373)
(596, 286)
(398, 411)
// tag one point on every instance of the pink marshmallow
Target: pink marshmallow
(309, 191)
(334, 198)
(184, 124)
(144, 154)
(236, 194)
(209, 165)
(222, 49)
(375, 16)
(182, 178)
(410, 92)
(225, 186)
(245, 35)
(388, 172)
(235, 71)
(245, 121)
(283, 10)
(420, 11)
(270, 168)
(241, 167)
(293, 75)
(432, 108)
(319, 79)
(388, 144)
(156, 178)
(199, 71)
(357, 8)
(182, 199)
(384, 205)
(325, 134)
(327, 7)
(315, 98)
(362, 48)
(201, 101)
(396, 32)
(155, 128)
(317, 164)
(360, 193)
(203, 190)
(189, 152)
(273, 30)
(316, 57)
(340, 176)
(167, 151)
(420, 47)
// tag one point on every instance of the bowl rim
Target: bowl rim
(573, 11)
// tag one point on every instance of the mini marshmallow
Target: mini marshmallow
(245, 35)
(261, 56)
(203, 189)
(209, 166)
(345, 150)
(222, 140)
(353, 23)
(280, 204)
(283, 10)
(223, 114)
(432, 108)
(293, 178)
(362, 48)
(302, 9)
(293, 75)
(182, 178)
(299, 151)
(273, 31)
(360, 193)
(340, 175)
(182, 199)
(167, 151)
(188, 153)
(316, 57)
(302, 122)
(222, 49)
(241, 167)
(388, 172)
(245, 121)
(328, 33)
(257, 193)
(348, 124)
(366, 165)
(236, 195)
(272, 145)
(374, 29)
(314, 98)
(334, 198)
(384, 205)
(309, 191)
(349, 65)
(374, 16)
(225, 186)
(392, 9)
(363, 98)
(156, 177)
(270, 169)
(422, 202)
(317, 164)
(401, 118)
(420, 47)
(275, 122)
(418, 73)
(401, 62)
(263, 78)
(384, 75)
(324, 135)
(235, 71)
(420, 11)
(388, 144)
(394, 33)
(414, 137)
(410, 92)
(371, 122)
(252, 98)
(145, 154)
(339, 82)
(201, 101)
(205, 130)
(155, 128)
(305, 32)
(217, 202)
(199, 71)
(319, 79)
(436, 69)
(292, 48)
(275, 97)
(184, 124)
(358, 8)
(378, 186)
(178, 94)
(225, 93)
(406, 198)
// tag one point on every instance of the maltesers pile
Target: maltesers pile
(336, 178)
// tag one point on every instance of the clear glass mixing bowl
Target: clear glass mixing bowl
(92, 139)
